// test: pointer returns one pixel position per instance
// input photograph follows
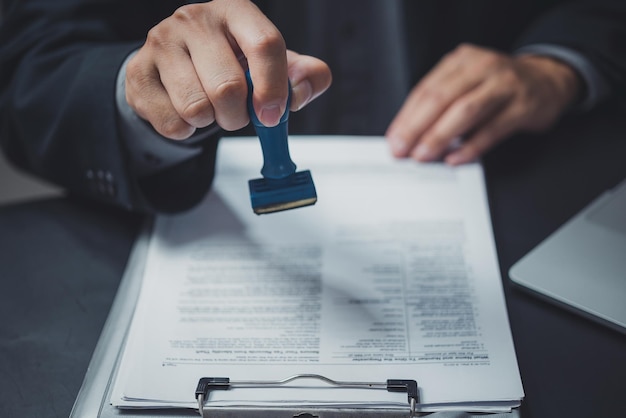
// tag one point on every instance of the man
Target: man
(123, 101)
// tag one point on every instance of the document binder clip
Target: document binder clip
(208, 384)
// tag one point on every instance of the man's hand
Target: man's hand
(481, 96)
(190, 71)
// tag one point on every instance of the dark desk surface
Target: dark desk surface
(61, 261)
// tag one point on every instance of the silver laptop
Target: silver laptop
(582, 266)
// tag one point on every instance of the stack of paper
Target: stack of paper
(391, 275)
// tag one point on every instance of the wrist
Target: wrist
(560, 80)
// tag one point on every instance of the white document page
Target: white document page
(393, 274)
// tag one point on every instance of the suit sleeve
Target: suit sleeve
(596, 29)
(59, 61)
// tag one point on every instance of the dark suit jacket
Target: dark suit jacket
(59, 60)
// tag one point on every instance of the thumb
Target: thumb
(309, 76)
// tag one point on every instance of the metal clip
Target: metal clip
(207, 384)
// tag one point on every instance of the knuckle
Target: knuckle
(269, 42)
(137, 100)
(136, 87)
(433, 95)
(133, 68)
(190, 17)
(138, 81)
(230, 90)
(138, 104)
(187, 13)
(157, 36)
(465, 47)
(173, 127)
(491, 59)
(197, 107)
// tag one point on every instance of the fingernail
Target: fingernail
(302, 94)
(398, 146)
(423, 153)
(270, 115)
(454, 159)
(459, 157)
(455, 143)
